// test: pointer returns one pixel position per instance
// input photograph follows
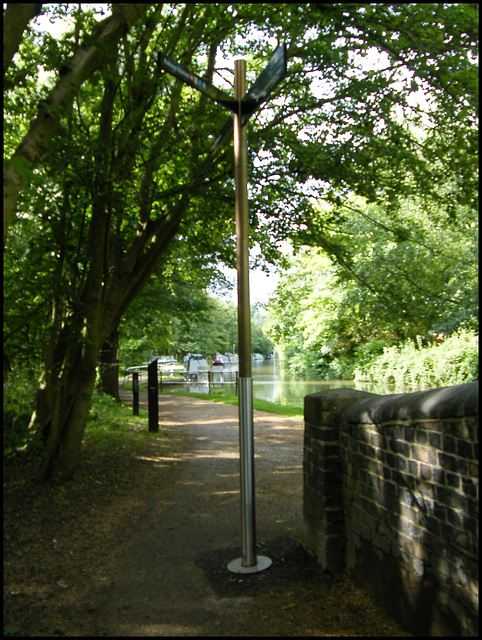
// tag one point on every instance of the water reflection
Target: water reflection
(272, 384)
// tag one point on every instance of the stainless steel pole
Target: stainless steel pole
(249, 562)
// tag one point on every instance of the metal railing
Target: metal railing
(204, 378)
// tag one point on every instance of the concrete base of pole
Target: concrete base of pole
(262, 563)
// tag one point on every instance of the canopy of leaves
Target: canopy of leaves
(409, 275)
(380, 100)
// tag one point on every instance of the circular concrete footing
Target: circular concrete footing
(262, 563)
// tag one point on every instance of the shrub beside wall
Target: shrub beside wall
(391, 498)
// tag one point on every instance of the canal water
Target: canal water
(272, 384)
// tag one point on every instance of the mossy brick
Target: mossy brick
(375, 439)
(332, 401)
(421, 437)
(409, 434)
(410, 529)
(469, 487)
(473, 506)
(387, 473)
(464, 429)
(453, 463)
(367, 450)
(425, 471)
(432, 539)
(454, 517)
(397, 477)
(400, 447)
(448, 444)
(426, 490)
(450, 497)
(442, 403)
(424, 454)
(439, 511)
(441, 427)
(391, 489)
(326, 478)
(437, 475)
(324, 450)
(370, 507)
(408, 513)
(435, 440)
(390, 504)
(464, 448)
(413, 467)
(374, 467)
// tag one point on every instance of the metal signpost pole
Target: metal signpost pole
(249, 562)
(243, 107)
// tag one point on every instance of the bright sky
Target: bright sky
(261, 285)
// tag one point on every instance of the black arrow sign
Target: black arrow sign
(267, 80)
(180, 71)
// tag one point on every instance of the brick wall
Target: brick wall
(391, 498)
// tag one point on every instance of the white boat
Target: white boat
(225, 362)
(195, 365)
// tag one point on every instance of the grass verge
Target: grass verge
(260, 405)
(112, 424)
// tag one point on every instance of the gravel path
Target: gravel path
(170, 577)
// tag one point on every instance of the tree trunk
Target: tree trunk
(109, 366)
(15, 21)
(63, 430)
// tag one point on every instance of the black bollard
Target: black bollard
(135, 393)
(152, 396)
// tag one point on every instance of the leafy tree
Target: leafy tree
(259, 342)
(72, 73)
(111, 217)
(172, 301)
(114, 163)
(305, 320)
(391, 277)
(415, 270)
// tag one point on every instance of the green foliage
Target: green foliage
(259, 342)
(172, 298)
(307, 319)
(213, 331)
(111, 424)
(379, 104)
(259, 405)
(415, 268)
(175, 316)
(389, 277)
(19, 391)
(454, 361)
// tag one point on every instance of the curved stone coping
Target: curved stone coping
(447, 402)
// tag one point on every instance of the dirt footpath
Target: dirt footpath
(138, 543)
(173, 578)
